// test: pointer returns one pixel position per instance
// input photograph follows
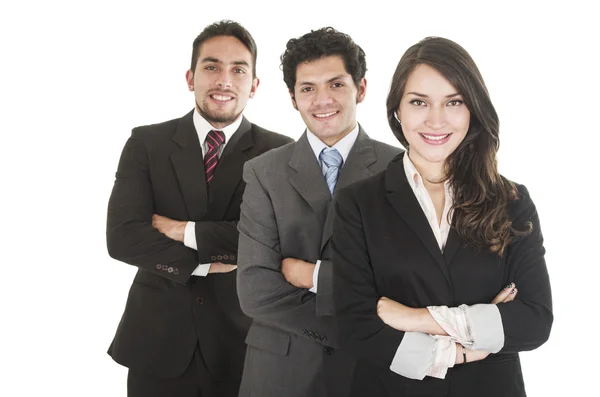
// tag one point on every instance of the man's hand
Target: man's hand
(173, 229)
(298, 272)
(218, 267)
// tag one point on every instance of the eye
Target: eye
(306, 89)
(239, 71)
(210, 67)
(417, 102)
(455, 102)
(337, 85)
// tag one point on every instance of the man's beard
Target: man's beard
(213, 117)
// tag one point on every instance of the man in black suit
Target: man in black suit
(173, 213)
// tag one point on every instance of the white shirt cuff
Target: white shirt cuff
(189, 236)
(415, 355)
(487, 330)
(201, 270)
(315, 277)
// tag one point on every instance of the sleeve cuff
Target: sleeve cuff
(415, 355)
(487, 330)
(315, 277)
(201, 270)
(189, 236)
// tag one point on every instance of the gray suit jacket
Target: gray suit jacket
(286, 212)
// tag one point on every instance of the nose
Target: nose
(322, 98)
(224, 79)
(435, 118)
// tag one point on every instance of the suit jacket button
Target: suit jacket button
(165, 267)
(200, 300)
(175, 271)
(304, 332)
(213, 258)
(219, 257)
(322, 338)
(158, 266)
(328, 350)
(170, 269)
(225, 257)
(232, 257)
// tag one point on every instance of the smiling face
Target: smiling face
(326, 97)
(433, 116)
(222, 82)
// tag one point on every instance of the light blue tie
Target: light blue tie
(332, 162)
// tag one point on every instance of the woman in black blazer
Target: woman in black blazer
(428, 255)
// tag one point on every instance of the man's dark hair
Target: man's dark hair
(318, 44)
(225, 28)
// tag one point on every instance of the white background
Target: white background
(75, 78)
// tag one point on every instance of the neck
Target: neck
(433, 174)
(332, 140)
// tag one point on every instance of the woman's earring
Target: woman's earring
(396, 116)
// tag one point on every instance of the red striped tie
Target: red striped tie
(214, 140)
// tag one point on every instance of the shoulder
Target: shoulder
(156, 131)
(269, 138)
(364, 192)
(386, 152)
(522, 207)
(273, 159)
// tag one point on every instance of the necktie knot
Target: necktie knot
(332, 159)
(214, 139)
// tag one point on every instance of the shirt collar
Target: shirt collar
(414, 177)
(343, 146)
(203, 127)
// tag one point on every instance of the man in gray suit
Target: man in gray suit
(284, 269)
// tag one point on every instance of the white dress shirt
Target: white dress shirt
(202, 129)
(343, 146)
(478, 327)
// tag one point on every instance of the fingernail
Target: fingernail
(513, 291)
(509, 286)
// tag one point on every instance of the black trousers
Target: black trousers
(195, 381)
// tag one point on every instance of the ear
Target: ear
(189, 77)
(397, 116)
(255, 84)
(293, 100)
(362, 90)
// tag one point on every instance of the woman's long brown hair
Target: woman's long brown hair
(481, 194)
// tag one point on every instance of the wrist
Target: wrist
(419, 320)
(309, 279)
(180, 231)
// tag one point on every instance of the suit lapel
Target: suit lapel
(404, 202)
(361, 157)
(308, 178)
(228, 174)
(188, 164)
(452, 245)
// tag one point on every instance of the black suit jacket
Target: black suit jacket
(384, 246)
(168, 312)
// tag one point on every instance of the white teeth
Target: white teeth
(435, 138)
(322, 115)
(221, 97)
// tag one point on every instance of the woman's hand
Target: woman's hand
(507, 294)
(395, 314)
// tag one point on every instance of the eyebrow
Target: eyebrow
(338, 77)
(216, 60)
(426, 96)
